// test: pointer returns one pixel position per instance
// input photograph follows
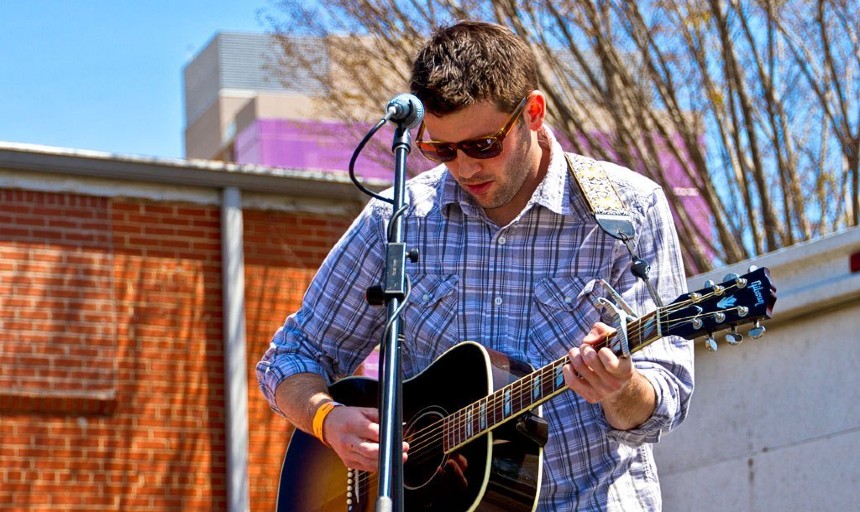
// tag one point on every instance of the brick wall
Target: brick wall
(57, 307)
(282, 253)
(111, 359)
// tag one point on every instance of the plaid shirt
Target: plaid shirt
(525, 290)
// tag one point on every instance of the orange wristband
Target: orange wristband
(319, 419)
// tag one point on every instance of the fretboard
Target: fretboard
(534, 389)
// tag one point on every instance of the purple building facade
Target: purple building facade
(310, 145)
(328, 146)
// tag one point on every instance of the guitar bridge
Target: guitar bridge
(353, 494)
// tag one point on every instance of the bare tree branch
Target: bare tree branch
(746, 112)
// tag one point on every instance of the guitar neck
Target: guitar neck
(534, 389)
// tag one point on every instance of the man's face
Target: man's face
(503, 184)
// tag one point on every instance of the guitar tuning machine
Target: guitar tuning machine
(717, 290)
(739, 281)
(734, 337)
(757, 331)
(695, 320)
(730, 277)
(711, 343)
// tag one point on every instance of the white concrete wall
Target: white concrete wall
(775, 422)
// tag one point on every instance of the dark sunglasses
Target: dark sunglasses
(487, 146)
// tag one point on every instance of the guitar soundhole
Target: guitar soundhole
(426, 455)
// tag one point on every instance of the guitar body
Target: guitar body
(497, 471)
(473, 444)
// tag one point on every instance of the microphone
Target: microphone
(405, 109)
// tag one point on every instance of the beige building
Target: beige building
(774, 423)
(235, 80)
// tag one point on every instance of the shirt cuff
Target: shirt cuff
(661, 419)
(277, 365)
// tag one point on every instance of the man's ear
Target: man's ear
(535, 110)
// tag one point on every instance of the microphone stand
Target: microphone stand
(406, 111)
(391, 382)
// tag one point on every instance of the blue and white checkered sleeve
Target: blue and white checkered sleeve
(668, 362)
(335, 328)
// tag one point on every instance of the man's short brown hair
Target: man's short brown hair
(471, 62)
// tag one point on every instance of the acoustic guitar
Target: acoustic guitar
(476, 441)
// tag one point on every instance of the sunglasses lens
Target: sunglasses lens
(440, 152)
(487, 147)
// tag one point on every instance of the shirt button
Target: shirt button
(498, 301)
(502, 240)
(568, 299)
(426, 297)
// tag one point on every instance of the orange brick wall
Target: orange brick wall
(111, 359)
(57, 276)
(282, 253)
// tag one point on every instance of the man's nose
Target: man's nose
(468, 166)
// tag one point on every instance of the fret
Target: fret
(648, 330)
(469, 422)
(559, 377)
(549, 384)
(449, 430)
(532, 390)
(522, 395)
(483, 415)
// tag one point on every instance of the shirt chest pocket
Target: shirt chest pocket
(430, 319)
(562, 315)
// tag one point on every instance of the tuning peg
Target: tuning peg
(730, 277)
(757, 331)
(709, 283)
(734, 337)
(752, 268)
(711, 343)
(719, 317)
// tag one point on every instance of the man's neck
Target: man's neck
(505, 214)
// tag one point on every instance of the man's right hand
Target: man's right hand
(353, 433)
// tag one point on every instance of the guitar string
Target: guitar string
(419, 453)
(429, 435)
(519, 389)
(458, 421)
(461, 423)
(511, 393)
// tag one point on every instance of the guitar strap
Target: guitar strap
(609, 211)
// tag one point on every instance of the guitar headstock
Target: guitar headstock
(737, 301)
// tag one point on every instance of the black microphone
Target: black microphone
(405, 109)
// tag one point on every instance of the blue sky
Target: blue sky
(106, 75)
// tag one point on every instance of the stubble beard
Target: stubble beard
(518, 170)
